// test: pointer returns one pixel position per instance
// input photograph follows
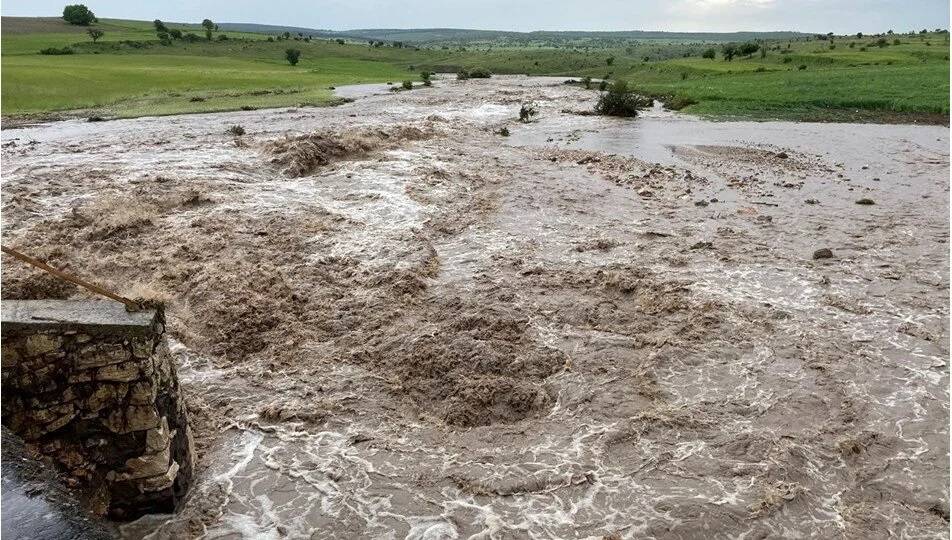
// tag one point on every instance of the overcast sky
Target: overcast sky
(840, 16)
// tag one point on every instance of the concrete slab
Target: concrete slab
(86, 316)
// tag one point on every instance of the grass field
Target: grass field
(129, 73)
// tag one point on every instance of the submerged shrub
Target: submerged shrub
(479, 73)
(407, 85)
(236, 130)
(526, 112)
(587, 82)
(618, 101)
(462, 75)
(504, 131)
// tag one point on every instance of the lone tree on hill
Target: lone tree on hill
(160, 26)
(78, 14)
(208, 25)
(292, 56)
(95, 34)
(748, 49)
(729, 51)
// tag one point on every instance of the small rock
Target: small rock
(703, 245)
(645, 192)
(824, 253)
(700, 203)
(812, 201)
(866, 202)
(782, 155)
(876, 179)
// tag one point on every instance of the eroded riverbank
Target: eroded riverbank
(396, 323)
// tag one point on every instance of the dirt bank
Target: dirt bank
(395, 322)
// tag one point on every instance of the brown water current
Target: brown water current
(393, 322)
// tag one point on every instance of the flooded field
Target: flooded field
(394, 322)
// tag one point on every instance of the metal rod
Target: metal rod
(131, 304)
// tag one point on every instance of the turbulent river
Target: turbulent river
(392, 321)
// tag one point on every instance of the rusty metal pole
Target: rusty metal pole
(130, 304)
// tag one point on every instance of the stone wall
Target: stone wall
(93, 387)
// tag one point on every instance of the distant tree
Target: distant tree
(95, 34)
(164, 38)
(859, 35)
(340, 41)
(175, 33)
(397, 44)
(709, 53)
(748, 49)
(610, 60)
(160, 26)
(729, 50)
(890, 32)
(292, 56)
(286, 35)
(208, 25)
(425, 77)
(763, 51)
(78, 14)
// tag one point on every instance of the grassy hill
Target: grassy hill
(464, 36)
(130, 73)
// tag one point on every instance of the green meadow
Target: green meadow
(128, 72)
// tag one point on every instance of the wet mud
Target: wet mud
(393, 322)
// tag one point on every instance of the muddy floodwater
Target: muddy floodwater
(391, 321)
